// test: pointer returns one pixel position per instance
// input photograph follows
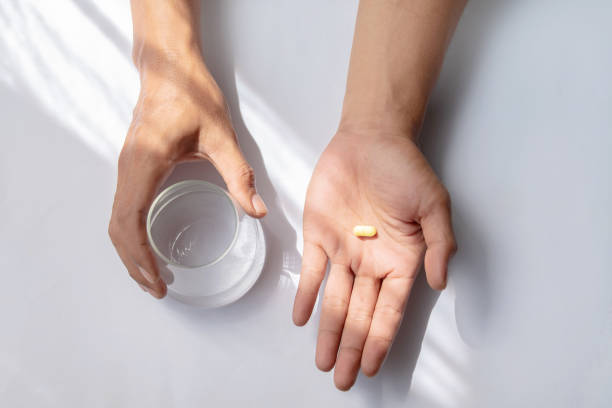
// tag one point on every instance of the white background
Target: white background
(519, 129)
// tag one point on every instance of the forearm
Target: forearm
(167, 49)
(398, 49)
(164, 31)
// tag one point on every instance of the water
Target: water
(214, 251)
(196, 228)
(199, 243)
(221, 276)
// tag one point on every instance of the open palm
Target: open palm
(381, 180)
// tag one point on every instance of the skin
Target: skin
(373, 173)
(180, 115)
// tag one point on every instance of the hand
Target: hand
(180, 115)
(375, 179)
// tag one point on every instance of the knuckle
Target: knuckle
(350, 349)
(123, 219)
(142, 257)
(310, 272)
(453, 246)
(144, 246)
(390, 312)
(246, 175)
(359, 315)
(134, 275)
(217, 115)
(113, 232)
(217, 135)
(444, 198)
(335, 303)
(331, 331)
(129, 221)
(379, 343)
(214, 141)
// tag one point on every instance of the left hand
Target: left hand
(383, 180)
(181, 115)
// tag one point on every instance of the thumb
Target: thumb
(441, 245)
(239, 178)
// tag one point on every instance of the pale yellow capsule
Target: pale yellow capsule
(364, 230)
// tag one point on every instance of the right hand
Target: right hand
(375, 177)
(180, 115)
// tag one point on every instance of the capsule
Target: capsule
(364, 230)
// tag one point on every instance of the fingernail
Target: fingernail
(259, 205)
(143, 287)
(148, 276)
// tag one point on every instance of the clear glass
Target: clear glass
(209, 251)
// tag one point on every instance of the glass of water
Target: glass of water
(209, 251)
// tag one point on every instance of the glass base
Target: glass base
(224, 282)
(210, 253)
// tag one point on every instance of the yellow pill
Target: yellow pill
(364, 230)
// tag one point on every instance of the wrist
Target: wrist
(165, 30)
(178, 62)
(365, 131)
(151, 52)
(362, 119)
(398, 113)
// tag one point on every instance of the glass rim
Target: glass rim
(171, 189)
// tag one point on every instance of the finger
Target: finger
(142, 254)
(314, 263)
(441, 245)
(333, 314)
(147, 265)
(157, 289)
(133, 270)
(142, 168)
(386, 321)
(356, 328)
(136, 274)
(239, 176)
